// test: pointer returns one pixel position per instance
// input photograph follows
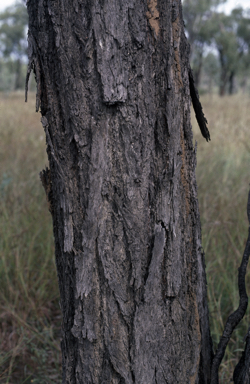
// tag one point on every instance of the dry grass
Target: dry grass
(29, 310)
(223, 184)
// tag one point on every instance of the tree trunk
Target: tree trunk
(18, 77)
(223, 73)
(113, 90)
(231, 83)
(223, 83)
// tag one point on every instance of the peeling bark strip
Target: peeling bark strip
(110, 26)
(202, 121)
(113, 90)
(153, 16)
(45, 178)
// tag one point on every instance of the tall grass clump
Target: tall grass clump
(29, 299)
(223, 182)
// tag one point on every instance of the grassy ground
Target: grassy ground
(29, 303)
(29, 300)
(223, 183)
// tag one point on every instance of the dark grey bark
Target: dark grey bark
(114, 94)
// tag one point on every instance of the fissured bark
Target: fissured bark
(113, 91)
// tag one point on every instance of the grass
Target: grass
(29, 298)
(223, 183)
(29, 308)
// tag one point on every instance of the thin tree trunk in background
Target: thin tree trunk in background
(113, 90)
(223, 74)
(18, 80)
(243, 84)
(223, 83)
(231, 83)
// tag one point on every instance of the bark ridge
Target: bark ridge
(113, 91)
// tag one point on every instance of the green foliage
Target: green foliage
(228, 34)
(13, 46)
(197, 15)
(13, 28)
(211, 69)
(9, 80)
(243, 36)
(224, 37)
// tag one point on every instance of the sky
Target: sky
(230, 4)
(5, 3)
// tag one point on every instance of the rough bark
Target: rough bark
(113, 90)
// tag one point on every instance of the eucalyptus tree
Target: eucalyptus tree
(242, 25)
(114, 88)
(229, 35)
(197, 16)
(13, 42)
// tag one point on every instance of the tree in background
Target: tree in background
(230, 36)
(197, 15)
(242, 18)
(224, 37)
(227, 34)
(13, 41)
(211, 70)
